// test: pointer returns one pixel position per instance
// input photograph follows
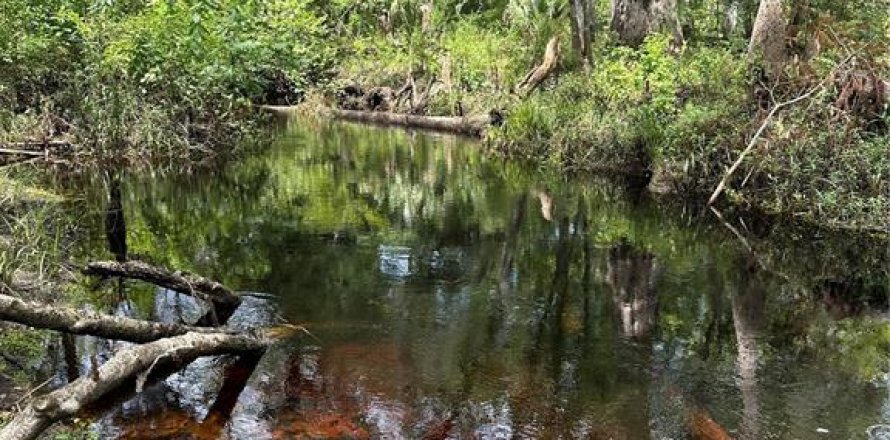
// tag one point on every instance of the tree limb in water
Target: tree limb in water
(537, 75)
(79, 322)
(223, 299)
(41, 413)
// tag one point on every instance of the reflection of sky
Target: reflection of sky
(386, 417)
(395, 261)
(496, 420)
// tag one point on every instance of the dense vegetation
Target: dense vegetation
(150, 79)
(673, 91)
(677, 97)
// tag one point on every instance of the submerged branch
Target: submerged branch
(124, 367)
(223, 299)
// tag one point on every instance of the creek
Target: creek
(449, 294)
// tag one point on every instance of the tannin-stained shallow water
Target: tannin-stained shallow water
(452, 295)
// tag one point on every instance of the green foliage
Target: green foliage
(636, 105)
(157, 77)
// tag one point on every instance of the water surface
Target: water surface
(453, 295)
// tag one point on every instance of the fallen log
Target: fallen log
(223, 300)
(80, 322)
(126, 366)
(19, 152)
(466, 125)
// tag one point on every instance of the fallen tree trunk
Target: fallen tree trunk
(80, 322)
(224, 301)
(467, 125)
(124, 367)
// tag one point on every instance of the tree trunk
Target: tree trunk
(583, 27)
(731, 17)
(223, 300)
(125, 366)
(767, 43)
(634, 20)
(80, 322)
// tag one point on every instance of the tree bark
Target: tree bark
(224, 301)
(632, 274)
(731, 17)
(125, 366)
(537, 75)
(768, 37)
(80, 322)
(583, 27)
(634, 20)
(467, 125)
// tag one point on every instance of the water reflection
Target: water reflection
(453, 296)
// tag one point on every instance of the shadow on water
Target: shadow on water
(450, 295)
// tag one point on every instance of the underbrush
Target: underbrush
(681, 116)
(685, 118)
(634, 109)
(173, 79)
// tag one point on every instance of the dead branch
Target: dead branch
(419, 103)
(753, 143)
(41, 413)
(80, 322)
(541, 72)
(224, 301)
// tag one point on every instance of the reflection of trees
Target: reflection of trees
(537, 323)
(115, 226)
(749, 317)
(632, 276)
(850, 297)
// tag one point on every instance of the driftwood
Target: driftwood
(467, 125)
(123, 368)
(79, 322)
(223, 300)
(542, 71)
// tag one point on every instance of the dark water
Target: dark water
(450, 295)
